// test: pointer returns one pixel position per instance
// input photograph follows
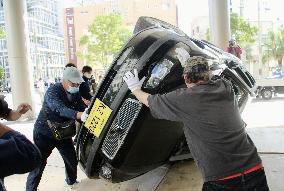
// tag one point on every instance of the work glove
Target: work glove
(132, 80)
(84, 116)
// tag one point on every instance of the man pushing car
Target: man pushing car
(215, 132)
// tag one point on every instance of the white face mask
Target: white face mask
(88, 75)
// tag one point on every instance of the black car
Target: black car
(121, 140)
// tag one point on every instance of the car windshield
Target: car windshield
(123, 65)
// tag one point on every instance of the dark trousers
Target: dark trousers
(254, 181)
(2, 187)
(66, 149)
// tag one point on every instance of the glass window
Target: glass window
(124, 65)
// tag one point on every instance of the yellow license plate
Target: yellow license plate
(98, 117)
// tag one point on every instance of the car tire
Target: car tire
(266, 94)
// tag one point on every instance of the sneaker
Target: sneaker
(72, 186)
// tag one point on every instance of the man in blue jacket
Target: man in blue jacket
(17, 154)
(62, 103)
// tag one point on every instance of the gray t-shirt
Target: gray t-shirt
(213, 127)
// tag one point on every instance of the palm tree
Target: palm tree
(275, 46)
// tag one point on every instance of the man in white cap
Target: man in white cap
(62, 103)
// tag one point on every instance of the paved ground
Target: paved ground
(265, 126)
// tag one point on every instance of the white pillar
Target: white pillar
(219, 22)
(17, 45)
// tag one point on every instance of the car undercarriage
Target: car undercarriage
(121, 140)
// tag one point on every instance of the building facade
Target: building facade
(46, 48)
(77, 19)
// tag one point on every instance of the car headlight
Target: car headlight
(158, 73)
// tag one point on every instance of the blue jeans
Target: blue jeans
(254, 181)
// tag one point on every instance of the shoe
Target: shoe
(72, 186)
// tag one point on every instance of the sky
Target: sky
(72, 3)
(196, 8)
(190, 9)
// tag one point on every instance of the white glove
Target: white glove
(133, 81)
(84, 116)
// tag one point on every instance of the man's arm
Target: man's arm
(161, 106)
(18, 154)
(12, 115)
(16, 114)
(55, 103)
(142, 96)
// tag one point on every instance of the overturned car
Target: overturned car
(120, 139)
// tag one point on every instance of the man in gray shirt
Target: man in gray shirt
(214, 129)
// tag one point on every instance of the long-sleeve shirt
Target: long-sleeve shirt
(4, 109)
(213, 127)
(58, 106)
(85, 89)
(17, 154)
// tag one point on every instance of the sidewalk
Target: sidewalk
(182, 175)
(265, 128)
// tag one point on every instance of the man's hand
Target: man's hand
(86, 102)
(23, 108)
(84, 116)
(132, 80)
(16, 114)
(134, 84)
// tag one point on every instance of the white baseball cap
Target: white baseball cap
(73, 75)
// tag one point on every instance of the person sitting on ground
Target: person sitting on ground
(213, 127)
(17, 154)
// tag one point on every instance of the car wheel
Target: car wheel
(267, 94)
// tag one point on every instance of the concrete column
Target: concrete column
(18, 46)
(219, 19)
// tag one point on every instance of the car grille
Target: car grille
(120, 127)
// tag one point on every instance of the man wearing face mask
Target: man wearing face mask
(62, 102)
(85, 86)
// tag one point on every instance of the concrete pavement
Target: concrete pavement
(183, 175)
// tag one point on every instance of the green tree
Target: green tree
(106, 37)
(243, 31)
(274, 47)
